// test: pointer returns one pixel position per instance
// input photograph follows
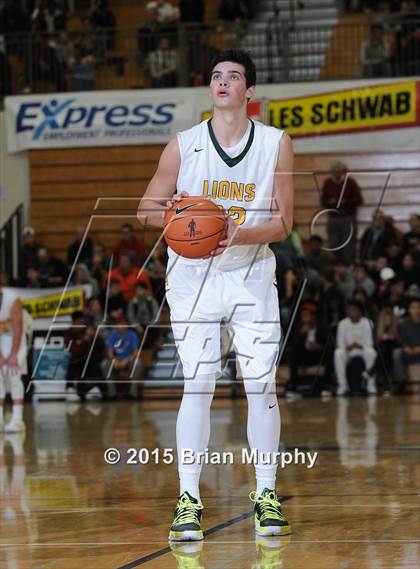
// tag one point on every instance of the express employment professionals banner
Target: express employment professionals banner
(100, 118)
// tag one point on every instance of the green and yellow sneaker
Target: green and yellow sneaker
(187, 518)
(188, 555)
(268, 517)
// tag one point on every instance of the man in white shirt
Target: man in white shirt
(354, 338)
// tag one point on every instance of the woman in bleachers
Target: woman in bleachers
(386, 339)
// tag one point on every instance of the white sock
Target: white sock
(17, 412)
(193, 428)
(263, 429)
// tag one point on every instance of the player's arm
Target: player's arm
(16, 317)
(161, 188)
(280, 225)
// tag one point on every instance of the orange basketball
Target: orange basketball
(194, 226)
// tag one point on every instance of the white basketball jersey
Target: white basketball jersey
(239, 178)
(8, 297)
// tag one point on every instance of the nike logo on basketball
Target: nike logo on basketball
(271, 406)
(181, 209)
(198, 149)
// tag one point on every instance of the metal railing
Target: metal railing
(180, 55)
(10, 243)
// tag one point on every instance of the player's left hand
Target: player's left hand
(12, 363)
(232, 238)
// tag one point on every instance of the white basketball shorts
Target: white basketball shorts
(200, 297)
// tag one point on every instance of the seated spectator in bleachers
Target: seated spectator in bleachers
(52, 271)
(394, 257)
(332, 307)
(163, 64)
(122, 351)
(128, 275)
(309, 347)
(370, 308)
(101, 18)
(63, 52)
(82, 68)
(359, 277)
(28, 255)
(148, 33)
(112, 301)
(375, 54)
(32, 278)
(129, 244)
(354, 338)
(200, 54)
(409, 335)
(340, 223)
(48, 16)
(94, 311)
(411, 239)
(191, 11)
(86, 253)
(82, 276)
(316, 257)
(410, 272)
(87, 352)
(156, 269)
(100, 263)
(386, 339)
(142, 310)
(404, 24)
(375, 239)
(394, 296)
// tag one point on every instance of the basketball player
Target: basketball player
(245, 167)
(12, 357)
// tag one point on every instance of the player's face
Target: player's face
(228, 85)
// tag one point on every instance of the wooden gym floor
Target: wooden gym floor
(63, 507)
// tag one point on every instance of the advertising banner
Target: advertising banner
(100, 118)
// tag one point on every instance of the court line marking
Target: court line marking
(210, 531)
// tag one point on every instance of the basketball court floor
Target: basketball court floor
(64, 507)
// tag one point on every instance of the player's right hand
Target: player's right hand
(176, 198)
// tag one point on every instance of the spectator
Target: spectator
(369, 307)
(122, 350)
(28, 252)
(129, 244)
(342, 222)
(191, 11)
(394, 296)
(52, 271)
(82, 276)
(332, 309)
(142, 311)
(148, 34)
(82, 68)
(112, 301)
(128, 275)
(410, 272)
(411, 239)
(394, 257)
(32, 278)
(63, 50)
(354, 338)
(100, 263)
(375, 54)
(102, 18)
(87, 352)
(310, 348)
(375, 239)
(201, 53)
(48, 16)
(359, 278)
(409, 352)
(316, 258)
(86, 252)
(94, 311)
(386, 341)
(163, 65)
(156, 269)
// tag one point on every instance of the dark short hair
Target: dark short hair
(413, 299)
(356, 304)
(237, 56)
(127, 226)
